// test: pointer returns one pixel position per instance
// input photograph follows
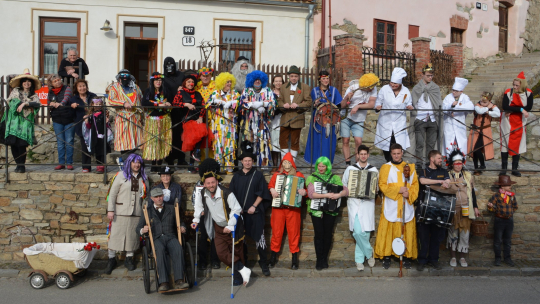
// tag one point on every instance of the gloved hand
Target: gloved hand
(266, 103)
(256, 105)
(262, 110)
(227, 104)
(249, 105)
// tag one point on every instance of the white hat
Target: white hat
(460, 84)
(397, 75)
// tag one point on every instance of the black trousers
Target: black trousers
(86, 159)
(166, 247)
(430, 237)
(502, 233)
(19, 154)
(387, 154)
(324, 231)
(204, 245)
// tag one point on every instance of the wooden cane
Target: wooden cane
(407, 174)
(145, 212)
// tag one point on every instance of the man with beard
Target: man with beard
(430, 236)
(172, 83)
(240, 69)
(250, 187)
(222, 212)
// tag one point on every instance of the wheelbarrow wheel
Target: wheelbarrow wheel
(146, 270)
(37, 280)
(63, 280)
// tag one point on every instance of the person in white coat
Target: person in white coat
(393, 99)
(455, 129)
(361, 213)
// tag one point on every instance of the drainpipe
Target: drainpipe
(306, 63)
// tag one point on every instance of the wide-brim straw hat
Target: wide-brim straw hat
(504, 180)
(16, 82)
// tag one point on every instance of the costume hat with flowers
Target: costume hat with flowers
(456, 156)
(487, 95)
(294, 70)
(209, 168)
(16, 82)
(368, 81)
(206, 71)
(428, 68)
(504, 180)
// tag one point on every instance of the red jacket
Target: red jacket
(290, 158)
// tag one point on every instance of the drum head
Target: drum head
(398, 246)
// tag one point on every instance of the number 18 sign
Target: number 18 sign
(188, 41)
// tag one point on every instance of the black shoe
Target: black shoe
(110, 265)
(436, 265)
(264, 268)
(516, 173)
(386, 263)
(17, 169)
(294, 264)
(407, 264)
(129, 264)
(420, 267)
(273, 260)
(324, 263)
(497, 262)
(202, 266)
(318, 265)
(509, 262)
(216, 265)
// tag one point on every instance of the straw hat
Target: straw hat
(16, 82)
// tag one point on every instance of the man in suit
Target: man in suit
(294, 99)
(164, 232)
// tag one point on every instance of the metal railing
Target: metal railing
(382, 62)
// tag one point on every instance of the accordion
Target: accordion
(363, 184)
(326, 204)
(287, 187)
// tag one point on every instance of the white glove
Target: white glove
(266, 103)
(262, 110)
(249, 105)
(227, 104)
(218, 102)
(256, 105)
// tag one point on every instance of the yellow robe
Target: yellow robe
(206, 92)
(388, 231)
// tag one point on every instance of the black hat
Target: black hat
(209, 165)
(294, 70)
(246, 146)
(247, 154)
(242, 58)
(165, 170)
(193, 77)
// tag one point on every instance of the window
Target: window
(141, 31)
(414, 31)
(456, 35)
(56, 36)
(385, 35)
(237, 41)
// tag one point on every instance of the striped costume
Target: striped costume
(128, 122)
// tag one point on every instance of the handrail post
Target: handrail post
(105, 136)
(439, 129)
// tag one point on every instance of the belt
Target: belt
(503, 217)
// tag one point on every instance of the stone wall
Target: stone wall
(532, 28)
(71, 207)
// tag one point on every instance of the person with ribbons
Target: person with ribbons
(426, 96)
(157, 135)
(361, 213)
(431, 235)
(399, 193)
(128, 122)
(223, 105)
(466, 207)
(393, 99)
(250, 187)
(455, 129)
(321, 140)
(323, 221)
(480, 142)
(257, 106)
(517, 102)
(206, 86)
(222, 212)
(360, 97)
(126, 195)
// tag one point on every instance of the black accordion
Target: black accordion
(326, 204)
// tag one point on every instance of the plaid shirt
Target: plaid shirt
(503, 208)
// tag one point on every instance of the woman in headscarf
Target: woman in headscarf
(223, 104)
(157, 135)
(19, 117)
(323, 221)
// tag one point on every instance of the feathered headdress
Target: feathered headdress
(455, 155)
(251, 77)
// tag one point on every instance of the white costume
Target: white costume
(455, 128)
(364, 208)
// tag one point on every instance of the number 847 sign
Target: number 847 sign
(188, 41)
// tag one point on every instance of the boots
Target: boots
(273, 259)
(129, 264)
(504, 163)
(319, 254)
(263, 262)
(294, 264)
(110, 265)
(515, 165)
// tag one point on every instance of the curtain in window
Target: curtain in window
(50, 64)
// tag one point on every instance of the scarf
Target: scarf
(506, 195)
(56, 90)
(430, 90)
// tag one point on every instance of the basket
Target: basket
(480, 227)
(50, 263)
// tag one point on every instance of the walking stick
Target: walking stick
(196, 253)
(407, 174)
(232, 262)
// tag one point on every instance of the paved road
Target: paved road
(298, 290)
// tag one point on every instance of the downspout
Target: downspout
(306, 63)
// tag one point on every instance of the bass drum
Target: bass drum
(437, 208)
(398, 246)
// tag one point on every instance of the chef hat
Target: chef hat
(397, 75)
(460, 84)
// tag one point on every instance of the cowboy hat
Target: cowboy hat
(16, 82)
(504, 180)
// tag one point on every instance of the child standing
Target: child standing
(503, 204)
(95, 134)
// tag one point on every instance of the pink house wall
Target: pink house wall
(433, 16)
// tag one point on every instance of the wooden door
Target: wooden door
(152, 58)
(503, 29)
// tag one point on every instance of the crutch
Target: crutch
(232, 262)
(196, 253)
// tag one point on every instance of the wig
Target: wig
(325, 161)
(222, 79)
(368, 81)
(251, 77)
(239, 74)
(208, 165)
(127, 166)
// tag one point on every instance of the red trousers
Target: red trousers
(280, 218)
